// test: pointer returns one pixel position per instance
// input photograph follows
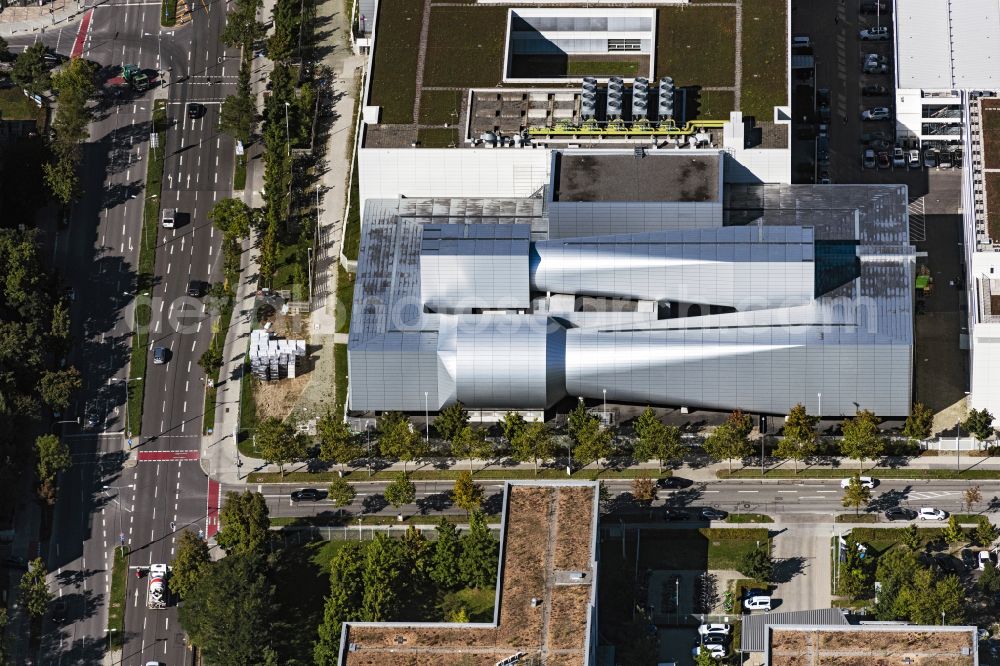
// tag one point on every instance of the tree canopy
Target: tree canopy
(532, 442)
(799, 440)
(919, 422)
(451, 421)
(979, 422)
(245, 523)
(400, 490)
(190, 565)
(727, 442)
(862, 439)
(278, 442)
(466, 494)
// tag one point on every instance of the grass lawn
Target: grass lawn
(340, 377)
(478, 604)
(394, 83)
(15, 106)
(715, 104)
(748, 518)
(697, 45)
(689, 550)
(352, 231)
(764, 47)
(240, 172)
(438, 107)
(884, 538)
(991, 133)
(345, 298)
(361, 474)
(465, 46)
(290, 270)
(727, 547)
(168, 13)
(116, 605)
(438, 137)
(856, 518)
(625, 68)
(144, 279)
(878, 473)
(330, 519)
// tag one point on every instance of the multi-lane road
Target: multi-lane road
(144, 503)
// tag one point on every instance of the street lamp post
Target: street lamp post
(368, 442)
(604, 392)
(819, 406)
(427, 421)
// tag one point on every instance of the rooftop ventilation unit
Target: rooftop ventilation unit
(666, 107)
(588, 98)
(616, 89)
(640, 98)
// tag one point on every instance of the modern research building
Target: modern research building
(535, 228)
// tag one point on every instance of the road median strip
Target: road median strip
(116, 605)
(877, 472)
(452, 474)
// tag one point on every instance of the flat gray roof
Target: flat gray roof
(659, 176)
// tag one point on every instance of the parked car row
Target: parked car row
(714, 639)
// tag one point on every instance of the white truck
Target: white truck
(157, 593)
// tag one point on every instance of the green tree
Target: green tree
(190, 564)
(58, 386)
(59, 330)
(278, 442)
(862, 439)
(400, 490)
(62, 178)
(985, 532)
(53, 458)
(919, 422)
(337, 444)
(656, 440)
(911, 537)
(972, 496)
(979, 422)
(344, 602)
(757, 564)
(852, 579)
(4, 57)
(741, 422)
(459, 616)
(856, 495)
(242, 28)
(894, 571)
(74, 84)
(284, 40)
(949, 595)
(382, 579)
(227, 615)
(397, 440)
(532, 442)
(952, 533)
(471, 443)
(238, 113)
(466, 494)
(704, 658)
(232, 217)
(34, 589)
(341, 492)
(451, 421)
(800, 436)
(245, 523)
(30, 71)
(727, 442)
(646, 419)
(480, 551)
(211, 359)
(593, 442)
(989, 582)
(445, 569)
(577, 419)
(512, 425)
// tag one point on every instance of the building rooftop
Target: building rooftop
(864, 645)
(428, 54)
(947, 44)
(549, 538)
(755, 629)
(597, 177)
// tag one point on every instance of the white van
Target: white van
(169, 218)
(757, 603)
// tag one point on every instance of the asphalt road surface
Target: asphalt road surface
(101, 502)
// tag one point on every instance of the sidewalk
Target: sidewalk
(21, 20)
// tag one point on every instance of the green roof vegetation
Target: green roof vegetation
(465, 46)
(397, 37)
(577, 67)
(438, 107)
(992, 207)
(15, 106)
(715, 104)
(697, 45)
(764, 58)
(438, 137)
(991, 133)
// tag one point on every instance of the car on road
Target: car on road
(714, 629)
(876, 113)
(195, 288)
(92, 416)
(868, 159)
(710, 513)
(879, 34)
(673, 482)
(913, 159)
(306, 495)
(900, 513)
(59, 612)
(898, 157)
(195, 110)
(160, 355)
(930, 158)
(676, 514)
(866, 481)
(874, 90)
(757, 602)
(930, 513)
(883, 160)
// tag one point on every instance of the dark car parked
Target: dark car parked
(306, 495)
(673, 482)
(709, 513)
(676, 514)
(900, 513)
(874, 90)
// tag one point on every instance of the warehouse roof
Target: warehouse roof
(863, 645)
(754, 631)
(617, 177)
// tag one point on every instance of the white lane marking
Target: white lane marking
(193, 345)
(189, 366)
(168, 268)
(747, 491)
(185, 407)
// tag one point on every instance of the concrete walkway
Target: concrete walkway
(21, 20)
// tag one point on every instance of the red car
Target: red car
(883, 160)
